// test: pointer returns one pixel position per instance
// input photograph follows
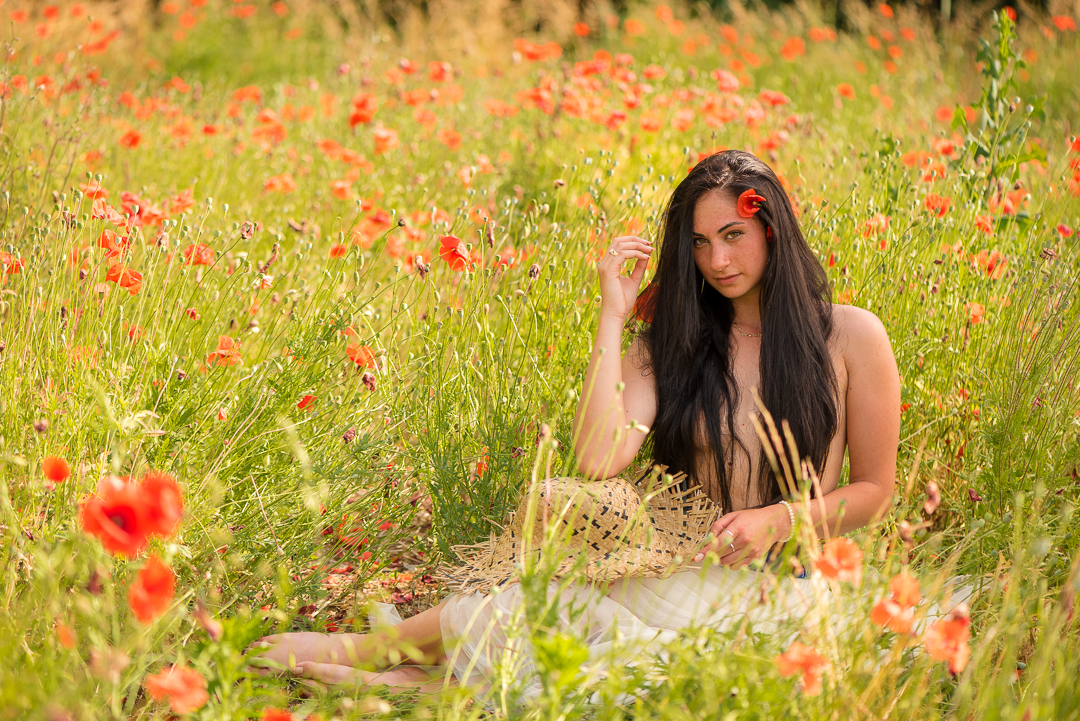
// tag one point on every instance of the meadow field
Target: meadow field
(294, 300)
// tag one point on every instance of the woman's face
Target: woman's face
(730, 251)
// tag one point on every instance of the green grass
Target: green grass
(471, 365)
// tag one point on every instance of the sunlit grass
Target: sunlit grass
(384, 407)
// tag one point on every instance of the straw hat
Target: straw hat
(642, 528)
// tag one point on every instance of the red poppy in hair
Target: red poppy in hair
(749, 203)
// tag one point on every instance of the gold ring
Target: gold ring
(613, 252)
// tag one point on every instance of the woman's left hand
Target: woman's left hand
(744, 536)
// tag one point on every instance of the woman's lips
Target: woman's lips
(728, 279)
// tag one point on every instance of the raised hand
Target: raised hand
(617, 291)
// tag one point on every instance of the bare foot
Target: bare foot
(403, 678)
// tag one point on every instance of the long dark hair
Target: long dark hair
(689, 338)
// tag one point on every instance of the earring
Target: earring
(702, 291)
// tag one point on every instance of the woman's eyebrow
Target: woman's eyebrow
(734, 222)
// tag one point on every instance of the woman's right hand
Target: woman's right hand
(618, 292)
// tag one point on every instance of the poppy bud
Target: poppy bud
(534, 271)
(421, 267)
(207, 622)
(933, 498)
(560, 183)
(95, 586)
(369, 381)
(349, 435)
(907, 534)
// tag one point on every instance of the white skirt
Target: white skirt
(631, 620)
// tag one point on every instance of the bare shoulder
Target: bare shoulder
(857, 332)
(862, 341)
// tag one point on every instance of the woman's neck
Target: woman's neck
(747, 315)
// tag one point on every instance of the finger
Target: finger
(734, 559)
(619, 257)
(638, 273)
(724, 521)
(621, 248)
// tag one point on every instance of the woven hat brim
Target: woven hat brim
(646, 527)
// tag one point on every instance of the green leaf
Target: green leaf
(959, 119)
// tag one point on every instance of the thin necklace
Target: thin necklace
(744, 334)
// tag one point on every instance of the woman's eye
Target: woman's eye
(734, 234)
(699, 241)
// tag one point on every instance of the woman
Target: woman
(739, 302)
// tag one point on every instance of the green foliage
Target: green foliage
(474, 375)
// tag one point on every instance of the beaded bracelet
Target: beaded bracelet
(791, 516)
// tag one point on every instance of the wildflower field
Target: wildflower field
(293, 300)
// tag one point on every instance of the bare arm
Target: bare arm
(873, 434)
(873, 428)
(616, 390)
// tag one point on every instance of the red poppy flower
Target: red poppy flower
(114, 245)
(151, 592)
(645, 305)
(100, 210)
(126, 278)
(804, 659)
(946, 640)
(131, 139)
(749, 203)
(361, 355)
(164, 503)
(793, 47)
(452, 249)
(364, 107)
(1064, 231)
(990, 262)
(184, 687)
(10, 264)
(273, 714)
(55, 468)
(117, 517)
(905, 589)
(841, 560)
(1064, 23)
(726, 82)
(65, 634)
(284, 183)
(306, 401)
(385, 140)
(440, 72)
(227, 353)
(876, 225)
(198, 254)
(936, 204)
(891, 615)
